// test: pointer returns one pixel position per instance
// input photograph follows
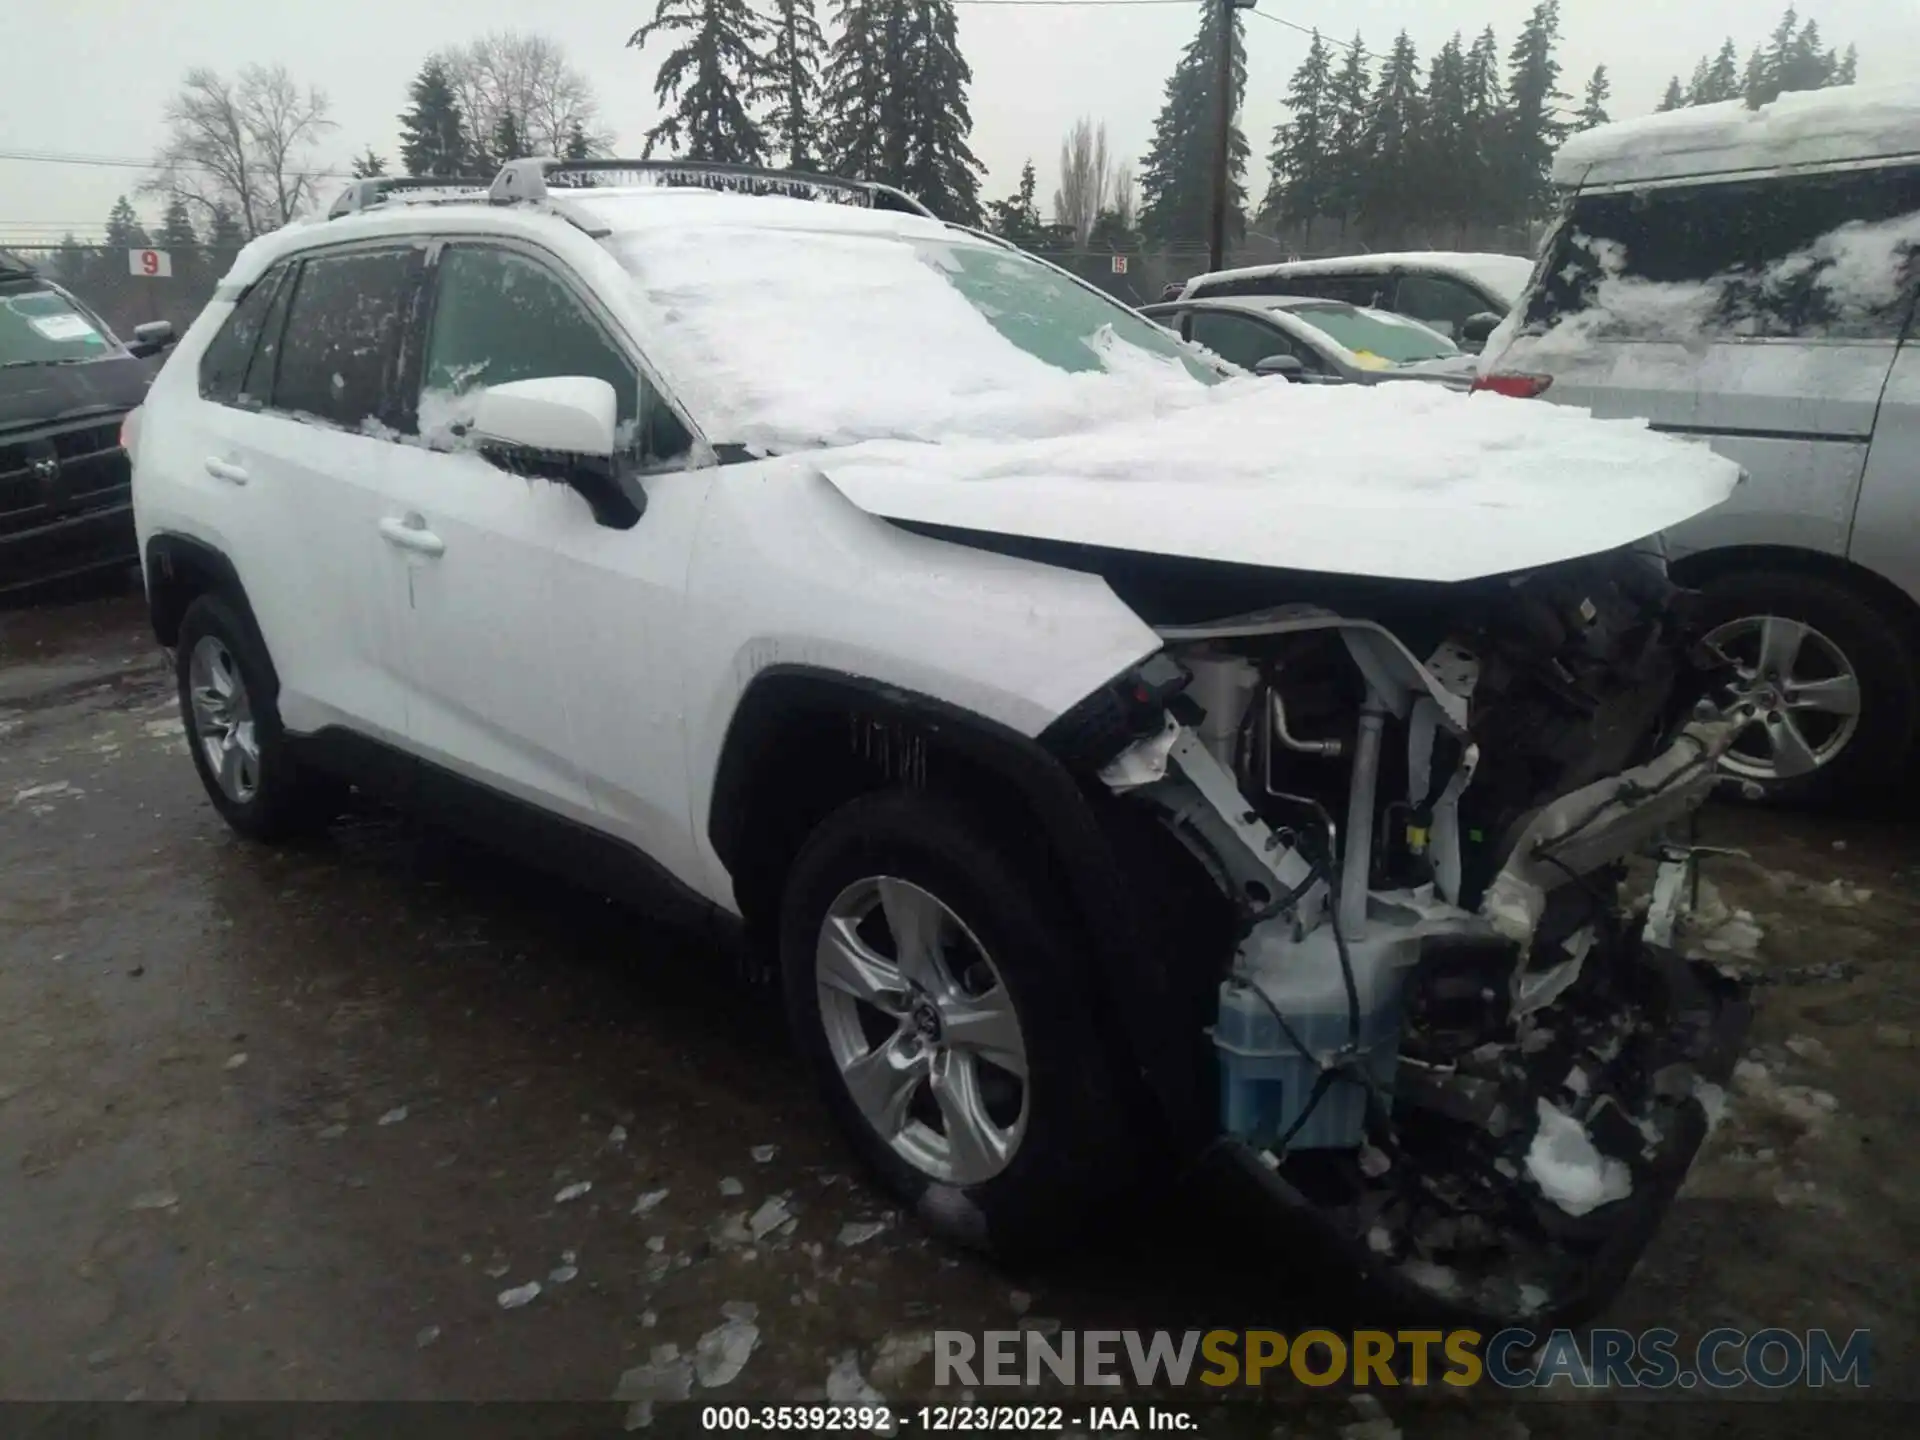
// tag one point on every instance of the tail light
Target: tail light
(1519, 387)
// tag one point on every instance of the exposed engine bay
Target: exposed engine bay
(1443, 1033)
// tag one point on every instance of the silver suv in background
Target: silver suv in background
(1748, 277)
(1461, 293)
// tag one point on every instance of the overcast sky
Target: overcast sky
(91, 77)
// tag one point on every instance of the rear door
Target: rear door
(1886, 528)
(1760, 315)
(321, 455)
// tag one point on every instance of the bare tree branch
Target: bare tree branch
(1084, 177)
(527, 76)
(240, 147)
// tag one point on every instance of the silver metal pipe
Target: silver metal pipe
(1356, 862)
(1278, 712)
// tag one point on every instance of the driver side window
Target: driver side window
(1239, 338)
(500, 316)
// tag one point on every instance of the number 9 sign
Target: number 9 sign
(154, 264)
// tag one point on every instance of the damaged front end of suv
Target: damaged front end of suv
(1447, 1042)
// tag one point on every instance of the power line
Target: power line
(1315, 31)
(128, 162)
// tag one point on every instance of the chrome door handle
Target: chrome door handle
(411, 533)
(225, 470)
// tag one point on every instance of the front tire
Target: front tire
(227, 704)
(1825, 683)
(935, 992)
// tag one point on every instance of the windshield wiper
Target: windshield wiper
(67, 360)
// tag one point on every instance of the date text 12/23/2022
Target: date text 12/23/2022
(936, 1419)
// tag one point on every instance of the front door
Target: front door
(543, 642)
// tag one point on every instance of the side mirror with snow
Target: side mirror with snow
(564, 428)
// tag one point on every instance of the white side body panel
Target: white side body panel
(786, 571)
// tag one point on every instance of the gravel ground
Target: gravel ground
(307, 1124)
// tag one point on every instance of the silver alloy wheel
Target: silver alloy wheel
(223, 719)
(1795, 691)
(923, 1030)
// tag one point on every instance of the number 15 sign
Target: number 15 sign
(152, 263)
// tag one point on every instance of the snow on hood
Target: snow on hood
(1405, 481)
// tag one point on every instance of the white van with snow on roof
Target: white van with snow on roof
(1748, 276)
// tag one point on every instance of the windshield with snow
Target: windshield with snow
(783, 337)
(1375, 337)
(1814, 255)
(41, 327)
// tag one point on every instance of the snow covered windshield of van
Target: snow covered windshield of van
(1826, 254)
(782, 338)
(1376, 336)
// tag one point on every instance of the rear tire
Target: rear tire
(1830, 631)
(228, 704)
(1055, 1149)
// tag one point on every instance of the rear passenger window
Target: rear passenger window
(343, 331)
(223, 366)
(1444, 304)
(1810, 255)
(500, 316)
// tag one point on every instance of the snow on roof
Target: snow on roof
(1505, 275)
(656, 206)
(1850, 122)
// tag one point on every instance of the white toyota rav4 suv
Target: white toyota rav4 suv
(1128, 764)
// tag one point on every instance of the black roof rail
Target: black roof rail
(536, 179)
(364, 194)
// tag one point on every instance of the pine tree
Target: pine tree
(1348, 94)
(1848, 70)
(1675, 98)
(712, 81)
(1299, 192)
(1388, 200)
(368, 165)
(931, 76)
(1536, 130)
(433, 133)
(1697, 86)
(1593, 109)
(578, 146)
(794, 122)
(1442, 154)
(176, 227)
(1753, 84)
(508, 141)
(1176, 189)
(1722, 80)
(224, 234)
(1807, 66)
(1484, 137)
(1017, 218)
(860, 103)
(124, 230)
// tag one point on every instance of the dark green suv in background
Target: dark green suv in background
(66, 384)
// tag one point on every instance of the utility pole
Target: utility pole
(1223, 128)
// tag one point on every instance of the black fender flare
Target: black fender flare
(1124, 967)
(179, 567)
